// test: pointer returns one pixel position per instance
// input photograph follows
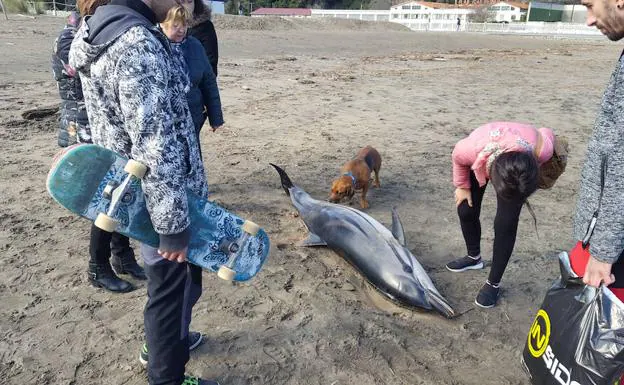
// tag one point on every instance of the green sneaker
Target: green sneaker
(195, 339)
(188, 380)
(143, 355)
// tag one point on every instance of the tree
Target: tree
(480, 15)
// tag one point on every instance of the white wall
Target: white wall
(535, 27)
(370, 15)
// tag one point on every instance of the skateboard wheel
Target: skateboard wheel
(136, 169)
(250, 228)
(226, 273)
(105, 223)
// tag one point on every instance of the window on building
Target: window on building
(405, 7)
(513, 17)
(513, 9)
(415, 6)
(405, 16)
(395, 16)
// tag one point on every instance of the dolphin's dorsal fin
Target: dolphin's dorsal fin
(397, 227)
(312, 240)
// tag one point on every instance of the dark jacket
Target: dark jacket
(204, 31)
(204, 91)
(74, 124)
(135, 92)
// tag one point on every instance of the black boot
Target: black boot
(104, 277)
(128, 265)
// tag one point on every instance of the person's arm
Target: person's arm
(61, 52)
(210, 92)
(145, 100)
(213, 56)
(607, 241)
(463, 158)
(207, 36)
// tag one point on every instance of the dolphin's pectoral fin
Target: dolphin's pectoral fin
(397, 227)
(312, 240)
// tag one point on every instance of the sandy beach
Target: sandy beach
(305, 95)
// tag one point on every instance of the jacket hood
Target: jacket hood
(99, 31)
(202, 17)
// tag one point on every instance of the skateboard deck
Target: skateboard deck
(88, 180)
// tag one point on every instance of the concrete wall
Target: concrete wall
(576, 13)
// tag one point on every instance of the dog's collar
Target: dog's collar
(350, 174)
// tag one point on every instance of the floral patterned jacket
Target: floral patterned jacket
(135, 94)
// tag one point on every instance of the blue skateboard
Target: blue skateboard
(102, 186)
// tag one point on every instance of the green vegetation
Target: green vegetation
(24, 6)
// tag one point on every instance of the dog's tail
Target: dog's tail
(287, 184)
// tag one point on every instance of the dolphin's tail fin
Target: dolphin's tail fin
(440, 304)
(286, 182)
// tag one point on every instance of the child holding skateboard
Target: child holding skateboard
(134, 92)
(517, 159)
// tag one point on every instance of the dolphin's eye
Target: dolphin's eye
(407, 269)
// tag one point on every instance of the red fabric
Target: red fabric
(579, 257)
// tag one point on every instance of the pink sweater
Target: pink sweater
(473, 152)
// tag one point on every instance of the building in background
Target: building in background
(420, 15)
(508, 11)
(545, 11)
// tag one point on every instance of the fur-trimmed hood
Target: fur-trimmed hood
(203, 17)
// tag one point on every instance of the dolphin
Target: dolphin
(379, 254)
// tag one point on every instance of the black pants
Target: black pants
(102, 243)
(172, 290)
(505, 228)
(618, 271)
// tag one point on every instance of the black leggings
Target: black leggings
(505, 228)
(102, 243)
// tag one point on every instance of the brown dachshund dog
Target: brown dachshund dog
(356, 174)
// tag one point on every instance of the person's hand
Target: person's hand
(463, 194)
(597, 272)
(174, 256)
(214, 128)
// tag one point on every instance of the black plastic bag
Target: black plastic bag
(577, 336)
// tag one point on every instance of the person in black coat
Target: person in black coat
(204, 31)
(75, 128)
